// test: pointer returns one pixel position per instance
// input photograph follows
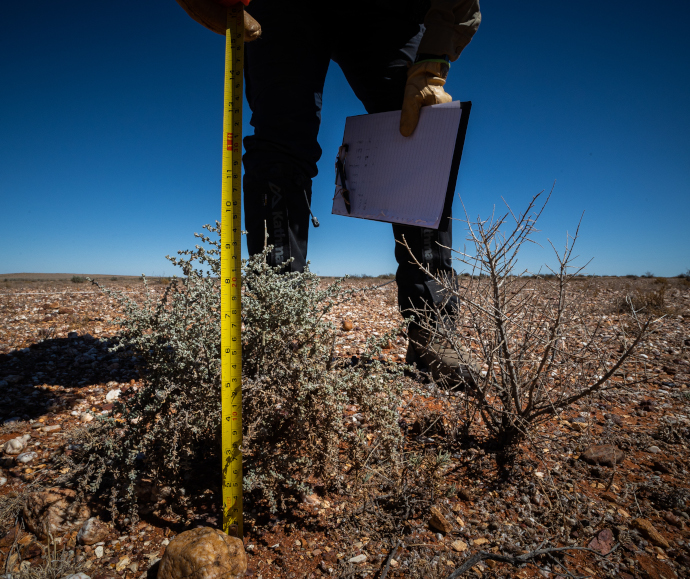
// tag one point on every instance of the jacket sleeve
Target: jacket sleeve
(450, 25)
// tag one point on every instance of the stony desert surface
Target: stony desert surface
(630, 513)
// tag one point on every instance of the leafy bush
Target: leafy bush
(78, 279)
(294, 393)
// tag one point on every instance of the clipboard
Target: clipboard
(383, 176)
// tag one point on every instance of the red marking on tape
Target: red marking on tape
(229, 142)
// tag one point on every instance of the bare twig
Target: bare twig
(519, 559)
(389, 559)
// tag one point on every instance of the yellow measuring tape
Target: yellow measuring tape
(231, 275)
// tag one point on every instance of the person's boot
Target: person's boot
(448, 366)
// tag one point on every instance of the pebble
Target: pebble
(358, 559)
(312, 500)
(654, 449)
(113, 395)
(98, 551)
(16, 445)
(459, 546)
(439, 522)
(86, 417)
(52, 428)
(77, 576)
(605, 454)
(3, 480)
(26, 457)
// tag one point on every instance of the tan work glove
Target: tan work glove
(214, 17)
(424, 87)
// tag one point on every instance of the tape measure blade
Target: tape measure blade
(231, 275)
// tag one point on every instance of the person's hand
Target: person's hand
(213, 15)
(424, 87)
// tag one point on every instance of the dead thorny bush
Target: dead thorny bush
(641, 300)
(539, 344)
(294, 393)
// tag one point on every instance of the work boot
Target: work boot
(435, 354)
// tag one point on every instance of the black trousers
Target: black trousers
(373, 43)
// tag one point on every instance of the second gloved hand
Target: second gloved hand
(424, 87)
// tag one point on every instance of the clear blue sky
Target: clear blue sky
(111, 124)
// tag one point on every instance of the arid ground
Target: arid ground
(633, 514)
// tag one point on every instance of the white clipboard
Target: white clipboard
(407, 180)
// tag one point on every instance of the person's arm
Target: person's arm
(213, 16)
(450, 25)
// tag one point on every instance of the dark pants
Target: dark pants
(285, 73)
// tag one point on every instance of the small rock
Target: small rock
(15, 446)
(92, 531)
(3, 481)
(53, 512)
(67, 311)
(86, 417)
(203, 553)
(347, 325)
(459, 546)
(312, 500)
(77, 576)
(605, 454)
(438, 521)
(113, 395)
(98, 551)
(603, 542)
(465, 495)
(654, 449)
(610, 497)
(53, 428)
(671, 519)
(650, 532)
(394, 563)
(358, 559)
(122, 563)
(26, 457)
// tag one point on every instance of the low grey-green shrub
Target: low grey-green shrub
(294, 392)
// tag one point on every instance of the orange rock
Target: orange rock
(439, 522)
(347, 325)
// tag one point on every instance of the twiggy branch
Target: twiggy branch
(519, 559)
